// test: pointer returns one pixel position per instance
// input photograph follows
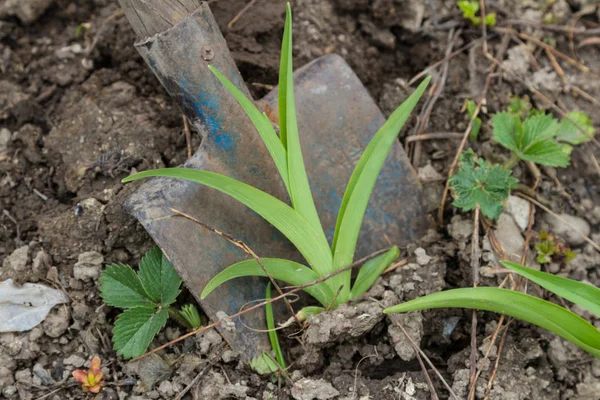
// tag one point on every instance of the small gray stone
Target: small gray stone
(510, 238)
(565, 231)
(88, 266)
(588, 390)
(28, 11)
(4, 139)
(207, 340)
(313, 389)
(24, 376)
(75, 360)
(422, 257)
(44, 376)
(519, 209)
(56, 322)
(165, 388)
(17, 260)
(413, 324)
(460, 229)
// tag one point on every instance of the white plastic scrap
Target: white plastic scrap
(23, 308)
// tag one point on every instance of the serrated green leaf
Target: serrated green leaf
(478, 182)
(534, 140)
(159, 278)
(569, 132)
(300, 193)
(537, 128)
(271, 327)
(311, 244)
(583, 294)
(121, 287)
(135, 329)
(262, 125)
(288, 271)
(359, 189)
(371, 270)
(539, 312)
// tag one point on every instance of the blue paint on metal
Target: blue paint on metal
(206, 107)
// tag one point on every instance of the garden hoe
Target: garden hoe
(179, 39)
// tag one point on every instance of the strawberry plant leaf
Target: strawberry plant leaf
(478, 182)
(533, 140)
(569, 132)
(135, 328)
(121, 287)
(159, 278)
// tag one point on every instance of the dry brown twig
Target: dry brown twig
(475, 263)
(437, 90)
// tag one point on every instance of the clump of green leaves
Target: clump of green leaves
(519, 305)
(300, 222)
(541, 138)
(146, 297)
(470, 107)
(551, 249)
(477, 182)
(470, 9)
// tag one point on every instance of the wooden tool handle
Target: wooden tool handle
(149, 17)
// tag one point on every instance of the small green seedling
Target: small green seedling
(300, 222)
(550, 249)
(146, 297)
(540, 138)
(267, 363)
(470, 107)
(479, 183)
(470, 10)
(539, 312)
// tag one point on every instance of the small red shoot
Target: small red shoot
(92, 379)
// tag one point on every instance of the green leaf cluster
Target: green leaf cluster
(528, 308)
(300, 222)
(470, 8)
(549, 248)
(145, 296)
(540, 138)
(479, 183)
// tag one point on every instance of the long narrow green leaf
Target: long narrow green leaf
(360, 186)
(290, 272)
(283, 80)
(312, 246)
(371, 270)
(583, 294)
(272, 332)
(262, 125)
(539, 312)
(300, 193)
